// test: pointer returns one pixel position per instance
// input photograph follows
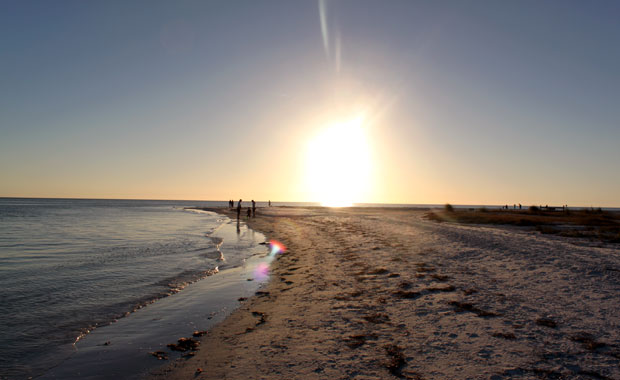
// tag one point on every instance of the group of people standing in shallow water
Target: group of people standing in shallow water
(251, 210)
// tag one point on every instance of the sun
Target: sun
(339, 164)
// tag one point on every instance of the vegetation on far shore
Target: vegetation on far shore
(594, 224)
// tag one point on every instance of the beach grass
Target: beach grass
(594, 224)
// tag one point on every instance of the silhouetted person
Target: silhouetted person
(270, 203)
(249, 212)
(239, 210)
(253, 209)
(519, 206)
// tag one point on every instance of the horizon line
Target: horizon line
(317, 202)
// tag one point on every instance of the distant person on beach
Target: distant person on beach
(249, 212)
(270, 203)
(519, 206)
(253, 209)
(239, 209)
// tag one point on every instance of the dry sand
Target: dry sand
(385, 293)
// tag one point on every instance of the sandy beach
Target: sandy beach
(385, 293)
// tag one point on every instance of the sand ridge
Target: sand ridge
(385, 293)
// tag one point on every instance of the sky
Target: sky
(466, 102)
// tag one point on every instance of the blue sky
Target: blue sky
(472, 101)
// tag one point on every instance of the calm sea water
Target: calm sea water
(67, 266)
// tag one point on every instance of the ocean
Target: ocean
(71, 266)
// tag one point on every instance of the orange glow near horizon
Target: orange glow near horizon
(338, 164)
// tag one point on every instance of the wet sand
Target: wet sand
(386, 293)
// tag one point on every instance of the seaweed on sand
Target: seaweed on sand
(460, 307)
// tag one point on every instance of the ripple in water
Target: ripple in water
(69, 266)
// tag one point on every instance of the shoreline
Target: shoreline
(126, 347)
(380, 293)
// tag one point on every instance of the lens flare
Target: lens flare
(276, 247)
(332, 52)
(261, 272)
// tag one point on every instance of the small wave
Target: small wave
(196, 211)
(215, 255)
(181, 280)
(199, 249)
(217, 241)
(173, 284)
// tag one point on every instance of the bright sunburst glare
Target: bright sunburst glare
(339, 164)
